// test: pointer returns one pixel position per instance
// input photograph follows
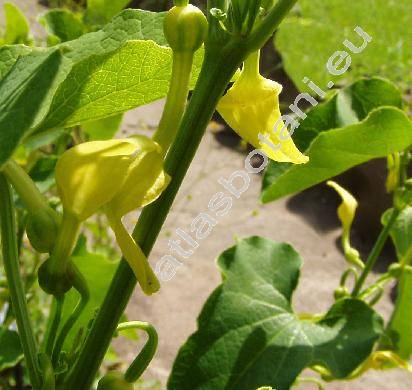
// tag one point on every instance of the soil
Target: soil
(308, 221)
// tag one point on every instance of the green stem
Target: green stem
(80, 284)
(56, 317)
(146, 355)
(376, 250)
(65, 242)
(217, 71)
(219, 66)
(269, 24)
(25, 187)
(16, 289)
(176, 99)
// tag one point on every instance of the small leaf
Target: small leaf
(248, 335)
(10, 347)
(401, 232)
(101, 11)
(17, 27)
(98, 272)
(62, 24)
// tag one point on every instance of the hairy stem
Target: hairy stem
(15, 284)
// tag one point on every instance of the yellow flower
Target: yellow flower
(251, 108)
(346, 214)
(115, 176)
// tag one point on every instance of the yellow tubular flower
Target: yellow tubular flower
(251, 108)
(116, 176)
(346, 214)
(89, 175)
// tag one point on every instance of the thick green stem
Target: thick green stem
(220, 63)
(217, 71)
(25, 187)
(269, 24)
(16, 289)
(376, 250)
(176, 99)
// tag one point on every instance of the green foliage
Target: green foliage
(248, 335)
(101, 11)
(98, 272)
(62, 25)
(102, 129)
(9, 55)
(11, 352)
(323, 26)
(356, 125)
(20, 98)
(17, 27)
(82, 81)
(400, 331)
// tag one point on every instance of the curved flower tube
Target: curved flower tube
(116, 176)
(346, 214)
(251, 108)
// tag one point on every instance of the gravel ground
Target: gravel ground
(308, 222)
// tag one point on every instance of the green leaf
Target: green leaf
(62, 25)
(399, 329)
(33, 81)
(104, 128)
(9, 55)
(248, 335)
(43, 172)
(98, 272)
(10, 347)
(401, 232)
(325, 25)
(17, 27)
(20, 99)
(101, 86)
(101, 11)
(354, 126)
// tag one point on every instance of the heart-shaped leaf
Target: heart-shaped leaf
(248, 335)
(357, 124)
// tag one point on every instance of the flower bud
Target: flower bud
(114, 381)
(42, 229)
(55, 283)
(185, 28)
